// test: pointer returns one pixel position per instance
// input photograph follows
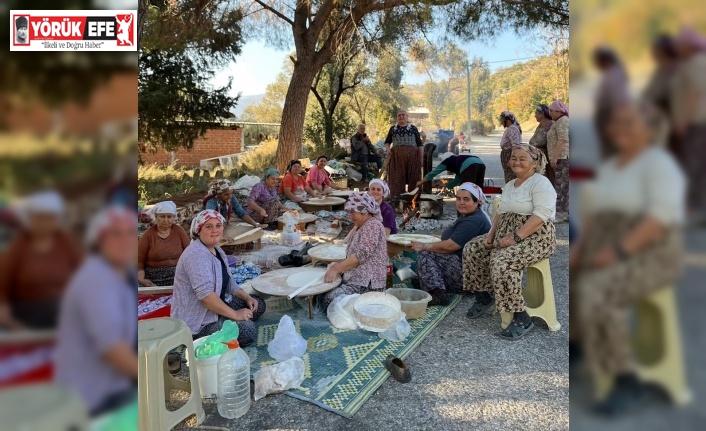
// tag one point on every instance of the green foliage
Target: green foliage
(176, 105)
(209, 31)
(315, 130)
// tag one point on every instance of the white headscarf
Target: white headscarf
(166, 207)
(383, 184)
(103, 219)
(479, 195)
(46, 202)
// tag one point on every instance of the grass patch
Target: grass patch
(184, 185)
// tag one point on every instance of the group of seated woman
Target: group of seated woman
(475, 254)
(488, 258)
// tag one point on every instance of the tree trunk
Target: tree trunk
(141, 18)
(328, 130)
(294, 113)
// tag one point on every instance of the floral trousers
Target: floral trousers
(499, 270)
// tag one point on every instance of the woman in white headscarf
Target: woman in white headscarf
(379, 191)
(96, 352)
(522, 234)
(37, 264)
(161, 246)
(439, 263)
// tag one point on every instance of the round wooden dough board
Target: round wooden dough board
(342, 193)
(328, 252)
(275, 282)
(329, 200)
(303, 218)
(234, 230)
(407, 239)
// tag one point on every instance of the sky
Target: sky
(258, 65)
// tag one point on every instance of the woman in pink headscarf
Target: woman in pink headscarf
(689, 113)
(365, 267)
(558, 149)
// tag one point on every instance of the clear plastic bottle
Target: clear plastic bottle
(233, 382)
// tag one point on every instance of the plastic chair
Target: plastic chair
(43, 407)
(657, 347)
(156, 338)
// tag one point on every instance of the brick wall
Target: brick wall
(216, 142)
(113, 102)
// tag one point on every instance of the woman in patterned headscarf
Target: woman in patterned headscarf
(220, 198)
(263, 202)
(365, 266)
(558, 149)
(204, 293)
(539, 139)
(511, 137)
(439, 264)
(522, 234)
(405, 152)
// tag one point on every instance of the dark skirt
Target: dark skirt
(505, 163)
(161, 276)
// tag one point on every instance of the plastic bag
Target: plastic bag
(340, 312)
(213, 344)
(353, 174)
(279, 377)
(246, 182)
(291, 235)
(397, 332)
(287, 342)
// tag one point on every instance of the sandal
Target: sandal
(478, 309)
(516, 330)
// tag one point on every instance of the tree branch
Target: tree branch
(279, 14)
(559, 11)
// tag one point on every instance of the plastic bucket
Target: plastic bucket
(413, 301)
(207, 370)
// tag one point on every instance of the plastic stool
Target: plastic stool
(156, 338)
(657, 347)
(43, 407)
(539, 296)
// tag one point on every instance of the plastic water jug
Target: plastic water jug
(233, 382)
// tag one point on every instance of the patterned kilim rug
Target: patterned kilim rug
(342, 368)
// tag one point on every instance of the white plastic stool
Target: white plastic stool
(539, 296)
(42, 407)
(156, 338)
(657, 347)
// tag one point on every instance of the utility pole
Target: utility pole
(468, 99)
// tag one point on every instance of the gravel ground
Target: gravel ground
(464, 377)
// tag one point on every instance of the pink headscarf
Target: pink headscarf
(560, 107)
(363, 203)
(201, 219)
(692, 38)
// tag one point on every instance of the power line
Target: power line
(514, 59)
